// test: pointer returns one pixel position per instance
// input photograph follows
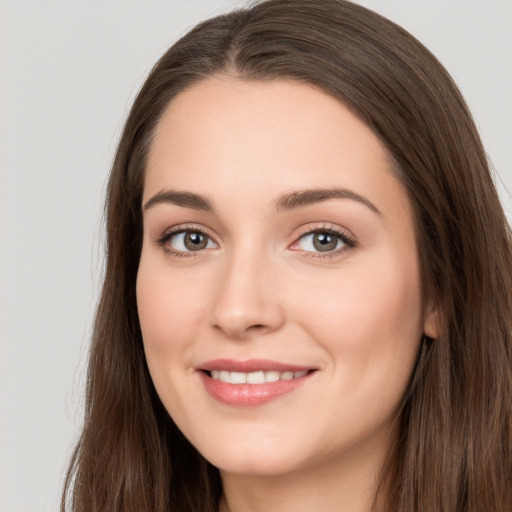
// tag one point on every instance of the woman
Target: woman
(307, 294)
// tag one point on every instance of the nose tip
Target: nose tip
(240, 324)
(246, 303)
(238, 313)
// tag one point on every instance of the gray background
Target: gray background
(69, 71)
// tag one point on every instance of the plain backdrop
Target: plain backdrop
(69, 71)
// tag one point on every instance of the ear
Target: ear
(432, 322)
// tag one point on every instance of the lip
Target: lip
(251, 365)
(244, 395)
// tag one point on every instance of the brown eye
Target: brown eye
(322, 241)
(195, 241)
(325, 242)
(188, 241)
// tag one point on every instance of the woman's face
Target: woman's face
(278, 289)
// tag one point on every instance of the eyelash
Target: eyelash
(164, 239)
(347, 240)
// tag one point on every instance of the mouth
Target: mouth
(257, 377)
(252, 382)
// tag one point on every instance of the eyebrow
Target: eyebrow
(185, 199)
(307, 197)
(286, 202)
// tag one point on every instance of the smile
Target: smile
(258, 377)
(253, 382)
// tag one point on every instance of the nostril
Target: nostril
(257, 327)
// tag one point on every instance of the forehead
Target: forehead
(237, 137)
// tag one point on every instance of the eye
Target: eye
(186, 240)
(323, 241)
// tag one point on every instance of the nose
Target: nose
(246, 297)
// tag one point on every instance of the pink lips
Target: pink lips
(247, 394)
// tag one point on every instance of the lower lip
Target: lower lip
(250, 394)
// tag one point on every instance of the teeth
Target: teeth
(272, 376)
(238, 377)
(256, 378)
(259, 377)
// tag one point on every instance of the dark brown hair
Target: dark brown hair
(454, 433)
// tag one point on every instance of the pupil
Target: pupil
(195, 241)
(324, 242)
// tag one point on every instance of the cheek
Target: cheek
(367, 317)
(169, 314)
(368, 324)
(169, 319)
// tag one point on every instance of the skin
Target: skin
(261, 289)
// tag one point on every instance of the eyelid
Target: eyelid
(162, 239)
(343, 234)
(324, 226)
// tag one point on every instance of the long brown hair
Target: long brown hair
(454, 434)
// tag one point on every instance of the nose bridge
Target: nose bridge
(245, 300)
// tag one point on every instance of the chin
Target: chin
(265, 458)
(255, 465)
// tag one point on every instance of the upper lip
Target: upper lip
(250, 365)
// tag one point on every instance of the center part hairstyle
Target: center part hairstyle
(453, 449)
